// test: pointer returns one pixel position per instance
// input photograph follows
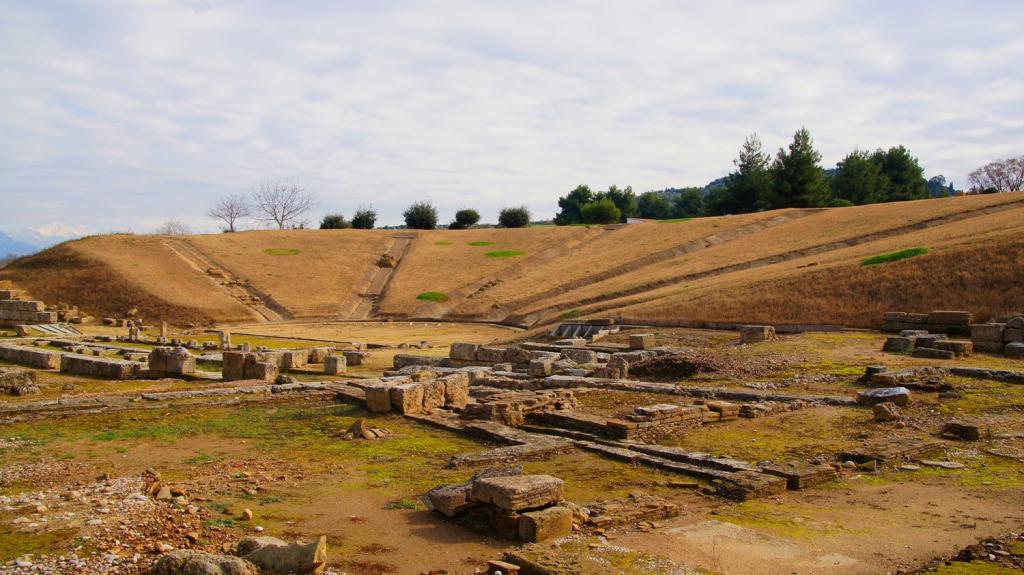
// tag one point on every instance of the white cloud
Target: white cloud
(120, 113)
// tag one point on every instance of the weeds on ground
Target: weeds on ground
(894, 256)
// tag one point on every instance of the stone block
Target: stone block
(355, 357)
(15, 381)
(262, 370)
(987, 332)
(572, 342)
(516, 354)
(886, 411)
(928, 339)
(463, 351)
(898, 395)
(319, 354)
(490, 354)
(606, 372)
(37, 358)
(456, 390)
(407, 397)
(180, 362)
(1014, 350)
(433, 394)
(518, 493)
(582, 356)
(898, 344)
(756, 333)
(541, 367)
(1015, 322)
(449, 500)
(233, 365)
(292, 358)
(550, 523)
(334, 364)
(933, 353)
(378, 397)
(405, 360)
(959, 348)
(640, 341)
(966, 430)
(1013, 335)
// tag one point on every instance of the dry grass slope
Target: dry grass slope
(788, 266)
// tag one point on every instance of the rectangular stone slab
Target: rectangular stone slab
(518, 493)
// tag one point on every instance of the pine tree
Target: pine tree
(798, 179)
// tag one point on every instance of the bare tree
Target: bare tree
(173, 228)
(230, 209)
(1002, 175)
(283, 204)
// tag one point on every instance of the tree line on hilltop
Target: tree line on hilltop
(792, 178)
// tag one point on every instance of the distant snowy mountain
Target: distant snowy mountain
(11, 246)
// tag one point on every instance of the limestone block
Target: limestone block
(262, 370)
(378, 397)
(1014, 350)
(463, 351)
(581, 356)
(293, 358)
(933, 353)
(449, 500)
(898, 395)
(433, 394)
(180, 362)
(550, 523)
(640, 341)
(319, 354)
(407, 397)
(490, 354)
(898, 344)
(756, 333)
(959, 348)
(233, 365)
(516, 354)
(518, 493)
(355, 357)
(456, 390)
(541, 367)
(334, 364)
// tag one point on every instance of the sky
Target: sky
(119, 116)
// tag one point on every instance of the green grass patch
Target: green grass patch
(573, 313)
(893, 256)
(433, 296)
(481, 244)
(442, 243)
(504, 254)
(281, 251)
(674, 220)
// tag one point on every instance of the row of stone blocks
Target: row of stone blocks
(106, 368)
(525, 507)
(406, 396)
(922, 344)
(950, 322)
(1006, 338)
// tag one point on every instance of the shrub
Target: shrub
(517, 217)
(334, 222)
(602, 211)
(503, 254)
(421, 216)
(894, 256)
(432, 296)
(364, 219)
(839, 203)
(464, 219)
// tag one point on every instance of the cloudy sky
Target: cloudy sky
(118, 116)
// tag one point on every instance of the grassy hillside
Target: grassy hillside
(786, 266)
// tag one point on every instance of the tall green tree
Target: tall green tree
(859, 179)
(904, 173)
(798, 179)
(601, 211)
(653, 205)
(624, 199)
(689, 203)
(570, 206)
(748, 189)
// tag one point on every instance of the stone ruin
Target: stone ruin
(947, 322)
(15, 381)
(756, 333)
(171, 362)
(1006, 338)
(17, 309)
(506, 503)
(921, 343)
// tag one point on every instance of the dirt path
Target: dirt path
(364, 303)
(609, 301)
(863, 529)
(262, 305)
